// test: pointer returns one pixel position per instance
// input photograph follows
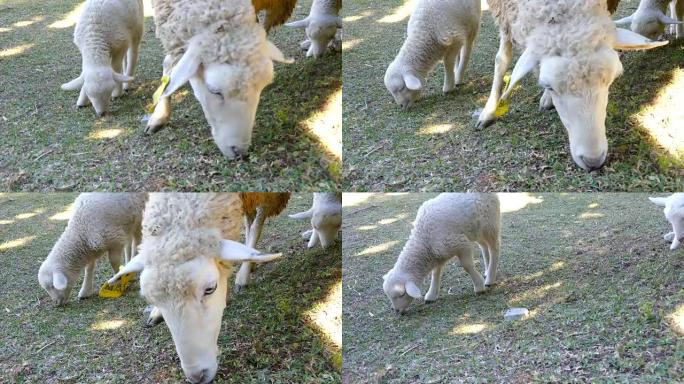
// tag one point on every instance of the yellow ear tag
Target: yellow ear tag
(157, 94)
(117, 289)
(502, 107)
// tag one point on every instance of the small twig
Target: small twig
(375, 149)
(43, 154)
(45, 346)
(409, 350)
(360, 209)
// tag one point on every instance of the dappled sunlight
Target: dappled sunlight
(326, 125)
(326, 315)
(378, 248)
(353, 199)
(65, 214)
(676, 320)
(536, 293)
(102, 134)
(593, 205)
(393, 220)
(26, 23)
(367, 227)
(436, 129)
(149, 11)
(351, 43)
(28, 215)
(663, 118)
(591, 215)
(15, 243)
(106, 325)
(17, 50)
(5, 29)
(512, 202)
(484, 5)
(6, 222)
(69, 20)
(469, 329)
(362, 15)
(401, 13)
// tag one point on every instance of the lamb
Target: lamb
(223, 52)
(101, 223)
(674, 212)
(326, 219)
(190, 241)
(321, 26)
(108, 34)
(573, 43)
(651, 17)
(257, 207)
(276, 11)
(437, 30)
(446, 226)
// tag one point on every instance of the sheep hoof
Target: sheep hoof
(481, 290)
(239, 287)
(431, 298)
(669, 237)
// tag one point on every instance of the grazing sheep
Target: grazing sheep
(108, 34)
(572, 43)
(190, 241)
(101, 223)
(321, 26)
(674, 212)
(651, 17)
(223, 52)
(276, 11)
(446, 227)
(437, 30)
(257, 207)
(326, 219)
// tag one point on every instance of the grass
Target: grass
(602, 287)
(268, 333)
(48, 145)
(434, 146)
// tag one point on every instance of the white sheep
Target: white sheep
(108, 34)
(446, 227)
(572, 43)
(223, 52)
(101, 223)
(674, 212)
(650, 18)
(321, 26)
(437, 30)
(326, 219)
(190, 242)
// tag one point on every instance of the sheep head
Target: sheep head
(97, 86)
(405, 86)
(400, 290)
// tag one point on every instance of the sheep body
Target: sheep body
(108, 35)
(277, 11)
(321, 26)
(674, 213)
(437, 30)
(446, 227)
(651, 17)
(101, 223)
(326, 218)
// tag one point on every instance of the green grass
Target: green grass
(48, 145)
(387, 149)
(593, 269)
(266, 335)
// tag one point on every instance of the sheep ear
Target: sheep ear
(136, 264)
(413, 290)
(234, 251)
(665, 19)
(59, 280)
(627, 41)
(661, 201)
(275, 54)
(624, 21)
(299, 24)
(181, 73)
(412, 82)
(74, 84)
(120, 78)
(526, 63)
(302, 215)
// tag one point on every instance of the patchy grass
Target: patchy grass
(435, 147)
(604, 291)
(48, 145)
(268, 331)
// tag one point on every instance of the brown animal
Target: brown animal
(612, 5)
(277, 11)
(257, 207)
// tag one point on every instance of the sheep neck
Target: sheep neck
(421, 55)
(71, 253)
(415, 260)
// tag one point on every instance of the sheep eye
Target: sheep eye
(210, 290)
(215, 92)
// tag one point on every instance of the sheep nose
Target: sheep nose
(240, 153)
(593, 163)
(196, 377)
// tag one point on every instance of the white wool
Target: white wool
(674, 213)
(650, 18)
(326, 219)
(321, 25)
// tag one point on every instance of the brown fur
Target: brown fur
(612, 5)
(277, 11)
(273, 203)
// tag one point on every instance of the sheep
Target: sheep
(276, 11)
(437, 30)
(326, 219)
(101, 223)
(257, 207)
(674, 212)
(573, 43)
(223, 52)
(189, 242)
(321, 26)
(108, 34)
(612, 5)
(651, 17)
(446, 226)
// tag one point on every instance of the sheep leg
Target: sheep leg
(435, 282)
(244, 276)
(116, 257)
(464, 59)
(465, 256)
(313, 241)
(162, 111)
(677, 9)
(117, 66)
(493, 267)
(669, 237)
(307, 234)
(155, 317)
(503, 60)
(485, 258)
(87, 286)
(546, 101)
(82, 99)
(131, 61)
(450, 69)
